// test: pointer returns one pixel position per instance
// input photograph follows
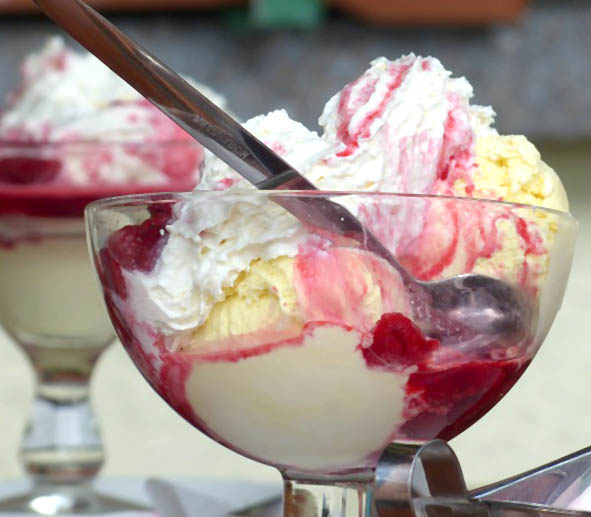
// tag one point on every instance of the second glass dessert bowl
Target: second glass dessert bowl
(50, 304)
(297, 347)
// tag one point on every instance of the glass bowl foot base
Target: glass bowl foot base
(65, 500)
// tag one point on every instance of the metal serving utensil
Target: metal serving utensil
(471, 311)
(427, 481)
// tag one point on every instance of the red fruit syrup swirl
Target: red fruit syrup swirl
(444, 402)
(133, 247)
(441, 400)
(27, 171)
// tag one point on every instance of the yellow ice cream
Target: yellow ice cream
(262, 299)
(273, 299)
(510, 168)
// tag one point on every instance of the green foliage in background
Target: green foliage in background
(268, 14)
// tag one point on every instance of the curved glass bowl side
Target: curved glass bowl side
(312, 359)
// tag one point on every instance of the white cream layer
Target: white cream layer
(48, 287)
(315, 405)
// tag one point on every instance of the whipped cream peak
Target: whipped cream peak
(72, 96)
(300, 147)
(61, 88)
(403, 123)
(106, 133)
(404, 126)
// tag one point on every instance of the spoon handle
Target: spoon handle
(169, 92)
(208, 124)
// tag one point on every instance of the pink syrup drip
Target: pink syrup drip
(350, 105)
(95, 161)
(226, 183)
(447, 253)
(332, 286)
(532, 240)
(174, 373)
(416, 156)
(57, 62)
(457, 154)
(278, 147)
(532, 244)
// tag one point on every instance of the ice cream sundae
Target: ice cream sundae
(297, 347)
(70, 133)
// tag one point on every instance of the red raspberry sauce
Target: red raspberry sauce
(441, 400)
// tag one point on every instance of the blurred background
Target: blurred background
(529, 60)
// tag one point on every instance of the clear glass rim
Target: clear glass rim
(162, 197)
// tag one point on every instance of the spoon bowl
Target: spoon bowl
(479, 310)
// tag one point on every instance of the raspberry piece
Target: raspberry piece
(137, 247)
(28, 171)
(161, 210)
(398, 342)
(110, 274)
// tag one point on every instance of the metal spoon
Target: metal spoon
(473, 312)
(427, 481)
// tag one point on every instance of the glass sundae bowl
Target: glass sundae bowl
(52, 308)
(297, 347)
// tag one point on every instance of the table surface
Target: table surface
(198, 496)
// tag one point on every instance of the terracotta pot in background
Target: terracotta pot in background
(383, 12)
(433, 12)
